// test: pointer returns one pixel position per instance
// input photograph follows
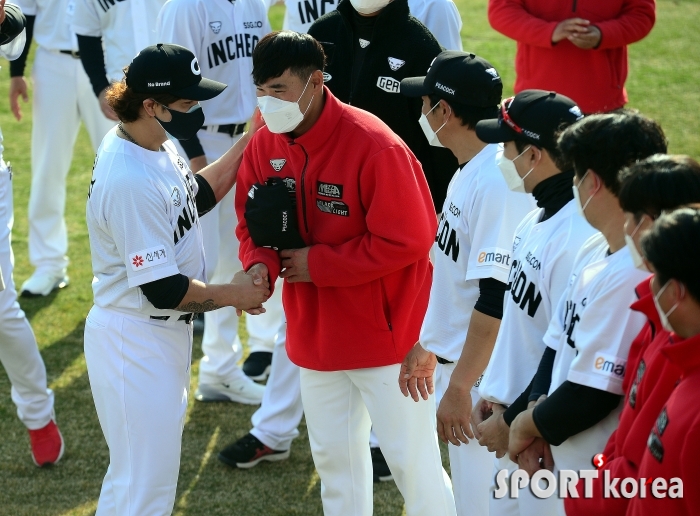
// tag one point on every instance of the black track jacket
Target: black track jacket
(401, 47)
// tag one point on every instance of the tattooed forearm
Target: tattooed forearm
(193, 306)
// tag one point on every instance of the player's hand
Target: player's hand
(567, 28)
(104, 106)
(454, 415)
(494, 432)
(520, 437)
(586, 40)
(480, 412)
(250, 296)
(295, 265)
(416, 374)
(18, 88)
(198, 163)
(261, 277)
(536, 456)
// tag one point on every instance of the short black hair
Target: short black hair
(285, 50)
(671, 246)
(659, 183)
(468, 115)
(606, 143)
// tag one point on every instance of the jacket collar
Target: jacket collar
(645, 303)
(318, 135)
(685, 354)
(395, 10)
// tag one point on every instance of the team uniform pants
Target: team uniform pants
(339, 406)
(139, 371)
(62, 98)
(471, 465)
(19, 353)
(220, 343)
(526, 504)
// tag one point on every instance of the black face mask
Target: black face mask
(184, 126)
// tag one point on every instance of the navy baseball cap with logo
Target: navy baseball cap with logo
(166, 68)
(532, 116)
(460, 77)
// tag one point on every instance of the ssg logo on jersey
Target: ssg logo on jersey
(277, 164)
(215, 26)
(388, 84)
(395, 64)
(148, 258)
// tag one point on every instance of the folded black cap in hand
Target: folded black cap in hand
(271, 216)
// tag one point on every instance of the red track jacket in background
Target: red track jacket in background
(364, 207)
(673, 445)
(594, 79)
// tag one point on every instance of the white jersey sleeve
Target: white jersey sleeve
(86, 21)
(14, 48)
(493, 218)
(442, 19)
(182, 23)
(605, 332)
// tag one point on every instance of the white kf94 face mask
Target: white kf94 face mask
(282, 116)
(428, 131)
(369, 6)
(510, 173)
(636, 257)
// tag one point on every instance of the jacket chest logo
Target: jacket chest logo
(388, 84)
(363, 43)
(395, 64)
(277, 164)
(333, 207)
(215, 26)
(330, 190)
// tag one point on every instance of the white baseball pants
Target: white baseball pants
(526, 504)
(62, 98)
(19, 353)
(220, 343)
(471, 465)
(139, 371)
(277, 420)
(338, 407)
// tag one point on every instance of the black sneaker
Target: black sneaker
(257, 365)
(381, 471)
(248, 451)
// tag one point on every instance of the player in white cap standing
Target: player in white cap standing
(19, 353)
(472, 258)
(143, 213)
(222, 35)
(62, 98)
(545, 245)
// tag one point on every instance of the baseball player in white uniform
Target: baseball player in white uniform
(592, 326)
(472, 259)
(110, 33)
(440, 16)
(545, 245)
(143, 212)
(222, 35)
(19, 353)
(62, 98)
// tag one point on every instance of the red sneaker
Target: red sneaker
(47, 444)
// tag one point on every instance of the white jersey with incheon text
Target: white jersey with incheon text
(126, 27)
(473, 242)
(142, 222)
(222, 35)
(543, 256)
(591, 331)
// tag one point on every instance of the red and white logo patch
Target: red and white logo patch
(148, 258)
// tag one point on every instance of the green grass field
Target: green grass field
(663, 84)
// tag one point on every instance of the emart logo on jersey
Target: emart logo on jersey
(564, 486)
(148, 258)
(609, 365)
(493, 256)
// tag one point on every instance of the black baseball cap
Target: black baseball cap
(532, 116)
(166, 68)
(458, 76)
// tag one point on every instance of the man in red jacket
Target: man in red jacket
(356, 295)
(577, 48)
(669, 465)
